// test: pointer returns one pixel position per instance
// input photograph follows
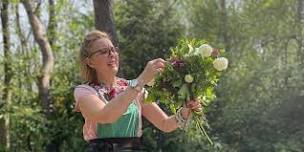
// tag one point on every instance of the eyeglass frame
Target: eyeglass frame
(108, 51)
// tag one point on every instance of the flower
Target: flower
(215, 53)
(191, 51)
(177, 64)
(188, 78)
(220, 63)
(196, 52)
(190, 48)
(190, 60)
(151, 83)
(205, 50)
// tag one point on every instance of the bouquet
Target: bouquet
(192, 72)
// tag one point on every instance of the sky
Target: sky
(84, 7)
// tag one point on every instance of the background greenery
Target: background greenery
(260, 99)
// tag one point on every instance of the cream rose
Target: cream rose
(188, 78)
(205, 50)
(220, 63)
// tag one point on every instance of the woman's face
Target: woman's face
(104, 57)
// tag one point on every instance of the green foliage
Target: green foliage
(260, 79)
(146, 30)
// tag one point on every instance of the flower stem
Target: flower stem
(202, 129)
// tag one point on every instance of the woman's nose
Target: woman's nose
(112, 52)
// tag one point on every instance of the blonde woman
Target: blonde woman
(113, 107)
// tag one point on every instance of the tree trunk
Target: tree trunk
(104, 19)
(24, 50)
(51, 31)
(20, 33)
(47, 57)
(5, 121)
(47, 64)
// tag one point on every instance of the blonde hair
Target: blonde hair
(88, 73)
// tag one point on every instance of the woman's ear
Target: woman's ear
(89, 63)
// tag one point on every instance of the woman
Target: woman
(112, 107)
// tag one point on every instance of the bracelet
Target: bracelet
(181, 122)
(136, 85)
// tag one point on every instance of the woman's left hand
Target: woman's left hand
(192, 105)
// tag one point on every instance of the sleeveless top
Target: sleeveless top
(128, 125)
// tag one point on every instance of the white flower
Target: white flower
(151, 83)
(196, 52)
(205, 50)
(190, 52)
(220, 63)
(188, 78)
(190, 48)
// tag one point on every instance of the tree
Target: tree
(146, 30)
(5, 120)
(259, 103)
(104, 19)
(51, 29)
(47, 64)
(254, 95)
(47, 57)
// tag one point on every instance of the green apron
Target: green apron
(125, 126)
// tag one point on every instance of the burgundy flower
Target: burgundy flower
(177, 63)
(112, 93)
(215, 52)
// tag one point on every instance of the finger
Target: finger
(157, 69)
(192, 103)
(189, 104)
(196, 107)
(159, 60)
(160, 70)
(159, 65)
(196, 103)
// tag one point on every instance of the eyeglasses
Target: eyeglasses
(105, 51)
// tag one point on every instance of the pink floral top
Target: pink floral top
(90, 127)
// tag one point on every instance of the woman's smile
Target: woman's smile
(113, 62)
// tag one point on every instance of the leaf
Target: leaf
(177, 83)
(183, 92)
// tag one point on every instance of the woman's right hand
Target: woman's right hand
(152, 68)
